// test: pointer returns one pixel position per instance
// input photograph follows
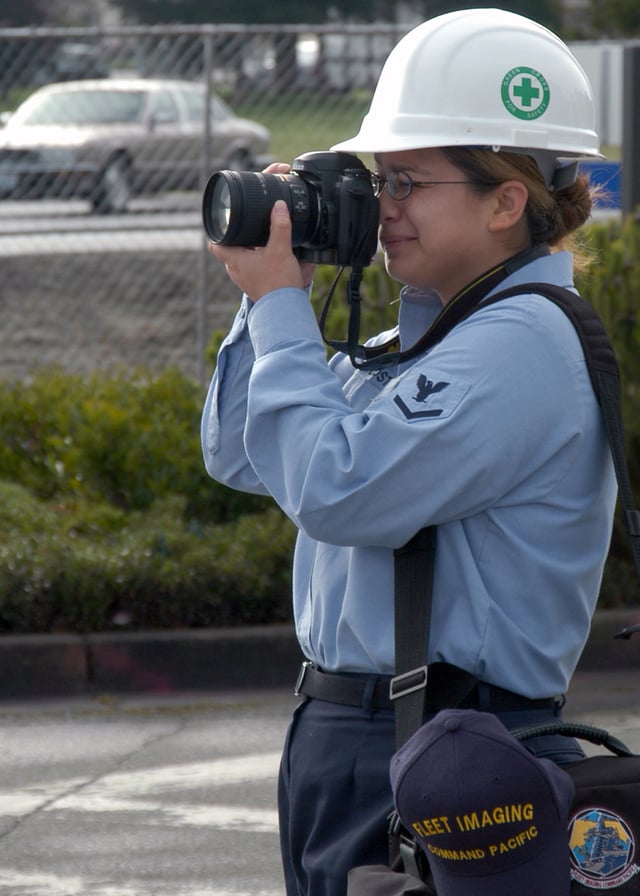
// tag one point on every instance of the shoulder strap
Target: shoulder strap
(596, 345)
(605, 379)
(414, 563)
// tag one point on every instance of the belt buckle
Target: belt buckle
(408, 682)
(307, 664)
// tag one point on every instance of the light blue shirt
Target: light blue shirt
(494, 435)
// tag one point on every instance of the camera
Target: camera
(334, 212)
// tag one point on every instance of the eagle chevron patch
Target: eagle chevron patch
(423, 398)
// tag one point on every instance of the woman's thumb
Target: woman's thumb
(280, 221)
(280, 210)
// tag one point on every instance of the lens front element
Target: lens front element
(219, 210)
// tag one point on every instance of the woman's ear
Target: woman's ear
(510, 201)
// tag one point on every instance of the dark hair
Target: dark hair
(553, 216)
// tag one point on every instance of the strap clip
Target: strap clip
(408, 682)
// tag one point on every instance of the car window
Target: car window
(194, 102)
(219, 109)
(163, 107)
(85, 107)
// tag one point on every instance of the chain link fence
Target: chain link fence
(103, 258)
(104, 261)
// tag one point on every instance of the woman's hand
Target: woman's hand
(261, 269)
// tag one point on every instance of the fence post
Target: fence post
(201, 316)
(630, 175)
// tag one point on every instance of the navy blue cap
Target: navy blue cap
(491, 817)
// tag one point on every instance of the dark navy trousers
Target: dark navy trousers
(334, 795)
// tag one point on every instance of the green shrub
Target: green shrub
(91, 567)
(108, 513)
(125, 439)
(612, 285)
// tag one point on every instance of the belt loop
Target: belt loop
(367, 696)
(559, 704)
(484, 697)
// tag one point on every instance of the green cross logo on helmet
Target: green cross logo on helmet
(525, 93)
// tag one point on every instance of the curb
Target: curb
(168, 662)
(156, 662)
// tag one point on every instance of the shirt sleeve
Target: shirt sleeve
(225, 410)
(458, 431)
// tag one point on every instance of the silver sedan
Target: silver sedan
(109, 139)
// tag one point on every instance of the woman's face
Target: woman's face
(439, 236)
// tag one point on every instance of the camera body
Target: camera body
(330, 198)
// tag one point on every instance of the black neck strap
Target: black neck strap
(374, 357)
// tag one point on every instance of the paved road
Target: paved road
(156, 796)
(59, 228)
(141, 798)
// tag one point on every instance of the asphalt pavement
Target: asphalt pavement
(145, 764)
(143, 796)
(174, 795)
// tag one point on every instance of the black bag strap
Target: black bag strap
(413, 568)
(598, 736)
(605, 379)
(414, 562)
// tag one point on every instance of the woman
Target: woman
(493, 435)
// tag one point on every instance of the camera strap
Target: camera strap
(367, 357)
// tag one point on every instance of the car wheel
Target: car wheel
(113, 190)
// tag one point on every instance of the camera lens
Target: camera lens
(220, 210)
(236, 207)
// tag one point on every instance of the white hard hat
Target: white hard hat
(484, 78)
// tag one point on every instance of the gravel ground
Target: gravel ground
(96, 311)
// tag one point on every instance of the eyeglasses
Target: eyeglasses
(400, 185)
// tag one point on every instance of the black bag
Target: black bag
(604, 826)
(380, 880)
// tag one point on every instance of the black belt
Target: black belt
(447, 686)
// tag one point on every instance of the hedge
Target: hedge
(612, 285)
(109, 519)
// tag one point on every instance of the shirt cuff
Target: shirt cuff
(280, 317)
